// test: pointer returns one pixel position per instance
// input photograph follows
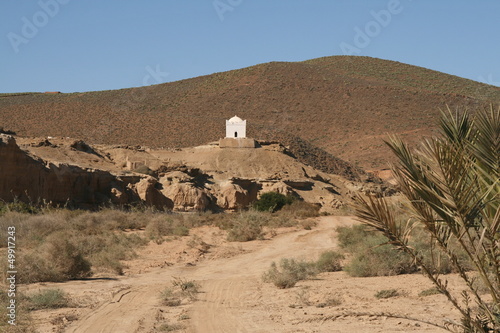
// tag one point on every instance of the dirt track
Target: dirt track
(234, 299)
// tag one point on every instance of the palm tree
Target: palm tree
(452, 186)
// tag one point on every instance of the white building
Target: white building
(236, 128)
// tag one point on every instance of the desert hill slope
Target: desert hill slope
(344, 105)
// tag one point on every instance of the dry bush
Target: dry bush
(166, 327)
(429, 292)
(57, 259)
(330, 261)
(182, 289)
(169, 298)
(247, 226)
(330, 301)
(299, 209)
(49, 299)
(62, 244)
(24, 323)
(386, 293)
(159, 227)
(289, 272)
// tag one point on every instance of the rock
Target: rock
(187, 197)
(173, 177)
(30, 179)
(151, 195)
(44, 143)
(83, 147)
(300, 184)
(282, 188)
(233, 196)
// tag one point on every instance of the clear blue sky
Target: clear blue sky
(71, 45)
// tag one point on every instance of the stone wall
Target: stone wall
(237, 143)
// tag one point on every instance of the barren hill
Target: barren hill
(344, 105)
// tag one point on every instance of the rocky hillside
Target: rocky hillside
(343, 105)
(69, 172)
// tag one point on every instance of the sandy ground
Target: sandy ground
(233, 297)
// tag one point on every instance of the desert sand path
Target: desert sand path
(229, 288)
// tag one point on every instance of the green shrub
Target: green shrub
(330, 261)
(49, 299)
(387, 293)
(369, 257)
(272, 202)
(20, 207)
(350, 237)
(289, 272)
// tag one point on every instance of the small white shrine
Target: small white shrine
(236, 128)
(236, 135)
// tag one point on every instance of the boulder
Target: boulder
(149, 193)
(187, 197)
(233, 196)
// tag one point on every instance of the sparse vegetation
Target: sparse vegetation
(330, 302)
(247, 226)
(429, 292)
(289, 272)
(170, 327)
(49, 299)
(300, 209)
(61, 244)
(169, 298)
(452, 184)
(24, 323)
(182, 289)
(386, 293)
(330, 261)
(368, 256)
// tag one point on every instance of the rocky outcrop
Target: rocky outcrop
(187, 197)
(149, 192)
(199, 179)
(283, 188)
(28, 178)
(232, 197)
